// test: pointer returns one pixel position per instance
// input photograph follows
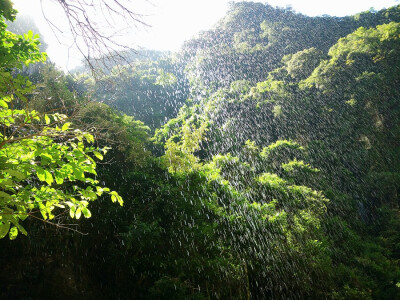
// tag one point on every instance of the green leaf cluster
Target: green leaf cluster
(45, 163)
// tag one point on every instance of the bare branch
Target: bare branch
(94, 28)
(58, 225)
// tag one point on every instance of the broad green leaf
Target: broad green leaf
(22, 217)
(6, 182)
(47, 119)
(120, 201)
(4, 195)
(4, 227)
(99, 191)
(13, 233)
(89, 138)
(66, 126)
(22, 229)
(16, 174)
(98, 155)
(49, 177)
(72, 211)
(86, 212)
(115, 197)
(79, 174)
(40, 174)
(59, 178)
(78, 213)
(3, 104)
(43, 209)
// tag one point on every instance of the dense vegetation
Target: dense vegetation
(262, 161)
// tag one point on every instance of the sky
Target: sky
(173, 21)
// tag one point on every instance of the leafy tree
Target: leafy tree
(301, 64)
(44, 163)
(23, 24)
(250, 41)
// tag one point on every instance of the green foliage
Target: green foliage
(17, 50)
(7, 11)
(24, 24)
(301, 64)
(44, 163)
(279, 178)
(150, 91)
(337, 114)
(252, 39)
(127, 136)
(179, 154)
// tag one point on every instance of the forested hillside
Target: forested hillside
(262, 161)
